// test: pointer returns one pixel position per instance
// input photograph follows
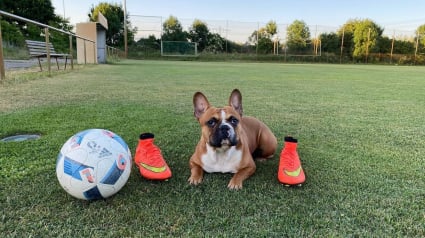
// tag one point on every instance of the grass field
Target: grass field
(361, 140)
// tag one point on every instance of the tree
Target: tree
(265, 43)
(298, 35)
(173, 30)
(215, 43)
(11, 34)
(331, 42)
(115, 16)
(271, 28)
(58, 39)
(403, 47)
(420, 32)
(150, 42)
(366, 35)
(347, 32)
(383, 45)
(40, 10)
(199, 33)
(361, 37)
(263, 37)
(146, 46)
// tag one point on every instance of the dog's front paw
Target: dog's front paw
(196, 175)
(234, 185)
(195, 180)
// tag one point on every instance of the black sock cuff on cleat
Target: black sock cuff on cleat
(144, 136)
(290, 139)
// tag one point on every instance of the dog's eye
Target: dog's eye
(234, 121)
(212, 122)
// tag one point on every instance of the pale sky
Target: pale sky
(400, 15)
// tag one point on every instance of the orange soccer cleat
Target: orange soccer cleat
(290, 171)
(149, 160)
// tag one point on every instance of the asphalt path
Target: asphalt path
(19, 64)
(25, 64)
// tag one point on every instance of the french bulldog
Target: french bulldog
(229, 141)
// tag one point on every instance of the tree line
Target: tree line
(16, 32)
(357, 39)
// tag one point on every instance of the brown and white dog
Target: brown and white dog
(228, 141)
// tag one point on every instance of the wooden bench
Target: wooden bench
(37, 49)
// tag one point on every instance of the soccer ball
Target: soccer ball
(93, 164)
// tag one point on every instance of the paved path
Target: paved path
(19, 64)
(24, 64)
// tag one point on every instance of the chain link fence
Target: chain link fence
(396, 46)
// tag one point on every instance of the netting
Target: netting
(178, 48)
(237, 39)
(146, 26)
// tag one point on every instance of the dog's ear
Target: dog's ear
(235, 101)
(200, 104)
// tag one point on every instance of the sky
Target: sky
(400, 15)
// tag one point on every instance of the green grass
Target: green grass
(361, 140)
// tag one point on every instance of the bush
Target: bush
(11, 34)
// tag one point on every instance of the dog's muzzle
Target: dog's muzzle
(223, 136)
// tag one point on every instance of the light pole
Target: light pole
(63, 5)
(125, 30)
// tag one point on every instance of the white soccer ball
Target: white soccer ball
(93, 164)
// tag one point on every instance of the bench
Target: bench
(37, 49)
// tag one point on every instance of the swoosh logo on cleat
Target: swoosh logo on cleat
(154, 169)
(294, 173)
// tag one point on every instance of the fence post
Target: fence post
(416, 47)
(71, 51)
(256, 48)
(342, 45)
(94, 54)
(367, 45)
(85, 53)
(125, 31)
(46, 32)
(392, 48)
(2, 70)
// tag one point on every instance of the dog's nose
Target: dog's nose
(225, 130)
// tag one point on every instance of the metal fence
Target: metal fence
(240, 33)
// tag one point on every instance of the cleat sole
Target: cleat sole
(293, 185)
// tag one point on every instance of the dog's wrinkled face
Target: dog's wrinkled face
(219, 125)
